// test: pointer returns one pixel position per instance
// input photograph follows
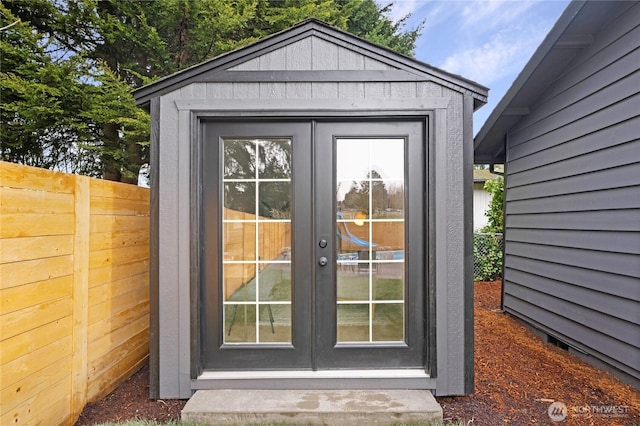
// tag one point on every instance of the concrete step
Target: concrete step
(312, 407)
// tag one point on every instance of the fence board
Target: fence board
(102, 344)
(80, 296)
(118, 373)
(20, 297)
(123, 322)
(30, 386)
(25, 343)
(54, 409)
(29, 248)
(52, 226)
(100, 365)
(107, 240)
(111, 311)
(33, 178)
(98, 259)
(117, 206)
(24, 320)
(35, 361)
(49, 399)
(98, 276)
(19, 273)
(32, 225)
(103, 292)
(104, 188)
(102, 223)
(19, 200)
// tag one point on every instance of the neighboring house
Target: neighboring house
(568, 130)
(481, 198)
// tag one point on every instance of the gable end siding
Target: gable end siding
(311, 53)
(572, 230)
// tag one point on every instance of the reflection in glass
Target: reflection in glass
(275, 159)
(274, 240)
(353, 323)
(235, 277)
(256, 240)
(239, 159)
(240, 197)
(275, 200)
(350, 286)
(391, 234)
(238, 241)
(355, 158)
(275, 323)
(388, 322)
(275, 282)
(239, 322)
(370, 205)
(391, 285)
(387, 158)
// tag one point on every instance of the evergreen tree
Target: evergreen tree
(68, 67)
(42, 102)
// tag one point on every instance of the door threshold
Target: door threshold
(321, 379)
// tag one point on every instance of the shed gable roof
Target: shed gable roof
(308, 52)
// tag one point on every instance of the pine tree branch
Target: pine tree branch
(10, 25)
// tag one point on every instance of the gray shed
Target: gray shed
(568, 132)
(311, 219)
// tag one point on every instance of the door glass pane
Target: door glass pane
(256, 234)
(370, 221)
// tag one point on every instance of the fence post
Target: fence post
(80, 296)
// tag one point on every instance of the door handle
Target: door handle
(322, 243)
(323, 261)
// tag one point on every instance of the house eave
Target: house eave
(489, 142)
(573, 32)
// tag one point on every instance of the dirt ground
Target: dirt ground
(518, 377)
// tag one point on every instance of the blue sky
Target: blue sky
(487, 41)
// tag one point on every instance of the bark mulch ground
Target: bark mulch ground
(518, 376)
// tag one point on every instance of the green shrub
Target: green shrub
(487, 257)
(495, 212)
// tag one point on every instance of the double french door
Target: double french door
(313, 245)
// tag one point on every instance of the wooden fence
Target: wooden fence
(74, 291)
